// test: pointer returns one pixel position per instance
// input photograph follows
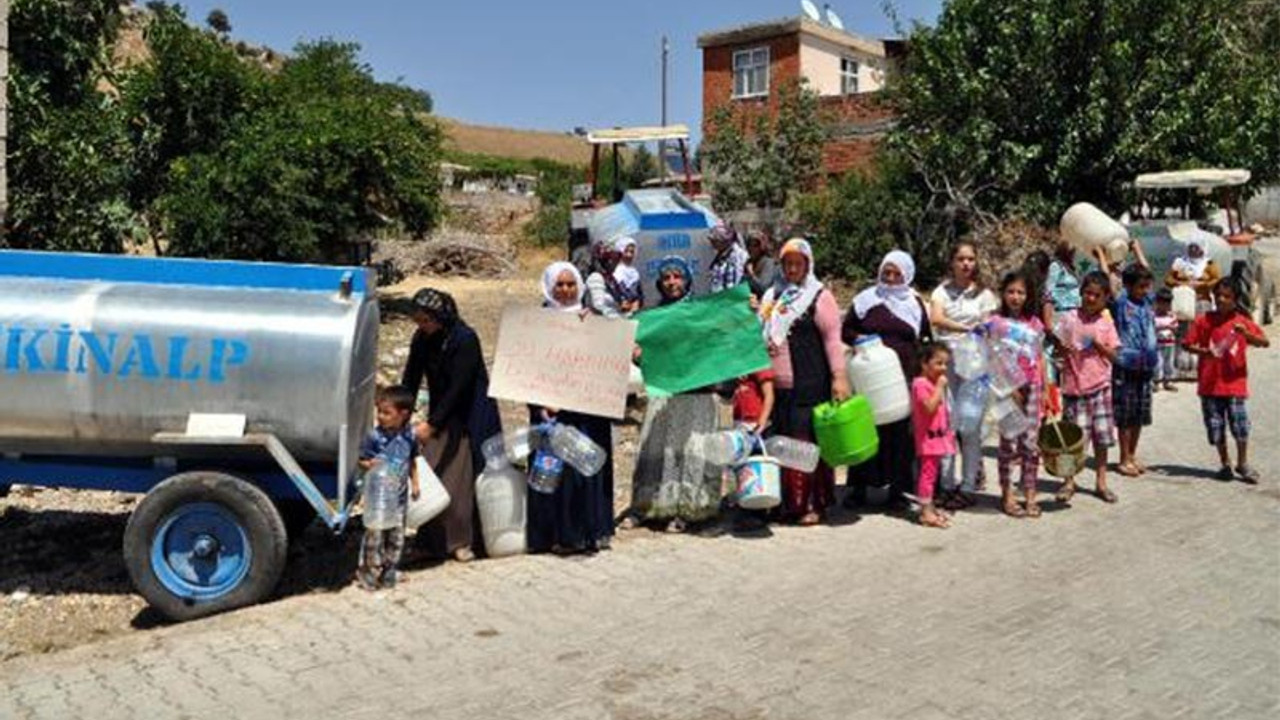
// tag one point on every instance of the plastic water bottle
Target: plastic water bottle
(792, 453)
(970, 355)
(574, 447)
(1011, 420)
(545, 471)
(512, 447)
(729, 447)
(383, 487)
(970, 405)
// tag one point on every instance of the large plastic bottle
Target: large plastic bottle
(1012, 420)
(792, 453)
(875, 372)
(970, 405)
(969, 355)
(512, 447)
(383, 485)
(1184, 303)
(729, 447)
(545, 471)
(501, 497)
(1087, 229)
(575, 448)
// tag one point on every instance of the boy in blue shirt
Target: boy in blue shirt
(1135, 364)
(392, 444)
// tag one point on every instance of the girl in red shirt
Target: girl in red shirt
(1220, 338)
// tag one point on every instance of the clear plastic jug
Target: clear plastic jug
(792, 453)
(730, 447)
(575, 448)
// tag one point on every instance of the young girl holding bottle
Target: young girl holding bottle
(1020, 321)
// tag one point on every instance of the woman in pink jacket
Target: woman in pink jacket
(802, 328)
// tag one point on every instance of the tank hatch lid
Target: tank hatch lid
(184, 271)
(644, 210)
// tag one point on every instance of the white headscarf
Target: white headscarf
(625, 272)
(549, 277)
(1193, 267)
(900, 300)
(787, 302)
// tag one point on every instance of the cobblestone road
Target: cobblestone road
(1164, 606)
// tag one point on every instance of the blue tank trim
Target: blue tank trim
(140, 475)
(184, 271)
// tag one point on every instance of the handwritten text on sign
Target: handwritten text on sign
(560, 360)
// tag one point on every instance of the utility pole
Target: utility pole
(662, 144)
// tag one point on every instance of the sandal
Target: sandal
(809, 519)
(1033, 510)
(956, 500)
(464, 555)
(1128, 470)
(1066, 492)
(1013, 509)
(630, 522)
(1106, 496)
(1225, 474)
(676, 526)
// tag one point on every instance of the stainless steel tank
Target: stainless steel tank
(99, 353)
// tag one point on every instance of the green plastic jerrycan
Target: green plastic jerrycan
(846, 431)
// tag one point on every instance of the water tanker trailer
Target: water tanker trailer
(233, 394)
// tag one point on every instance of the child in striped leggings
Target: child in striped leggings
(1029, 399)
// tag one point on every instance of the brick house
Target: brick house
(747, 65)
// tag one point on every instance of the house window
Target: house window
(751, 72)
(848, 76)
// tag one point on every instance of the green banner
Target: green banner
(699, 342)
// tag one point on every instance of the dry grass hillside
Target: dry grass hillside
(517, 144)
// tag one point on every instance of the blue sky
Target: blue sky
(537, 64)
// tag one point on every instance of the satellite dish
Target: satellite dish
(811, 10)
(833, 19)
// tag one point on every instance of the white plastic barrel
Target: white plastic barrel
(501, 498)
(1184, 303)
(432, 498)
(1087, 228)
(875, 372)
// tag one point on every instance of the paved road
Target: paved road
(1164, 606)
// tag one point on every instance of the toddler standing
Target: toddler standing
(391, 442)
(1166, 341)
(1014, 296)
(931, 421)
(1088, 339)
(1220, 338)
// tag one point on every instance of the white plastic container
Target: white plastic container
(1184, 303)
(501, 497)
(759, 483)
(432, 500)
(875, 373)
(1087, 228)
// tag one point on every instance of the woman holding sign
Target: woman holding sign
(673, 482)
(445, 352)
(578, 516)
(802, 327)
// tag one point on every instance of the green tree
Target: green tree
(642, 166)
(218, 21)
(1040, 103)
(332, 156)
(759, 158)
(67, 149)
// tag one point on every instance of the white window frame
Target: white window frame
(849, 81)
(754, 65)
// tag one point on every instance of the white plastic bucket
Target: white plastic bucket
(432, 500)
(759, 483)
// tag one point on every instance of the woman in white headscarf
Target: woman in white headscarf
(893, 311)
(578, 516)
(802, 330)
(1196, 270)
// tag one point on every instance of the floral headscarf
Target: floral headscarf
(438, 304)
(786, 302)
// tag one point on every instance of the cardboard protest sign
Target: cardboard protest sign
(700, 341)
(564, 361)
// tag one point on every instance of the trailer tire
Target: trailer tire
(204, 542)
(298, 515)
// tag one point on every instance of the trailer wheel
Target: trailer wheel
(298, 515)
(203, 542)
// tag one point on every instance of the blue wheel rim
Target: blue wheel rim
(200, 552)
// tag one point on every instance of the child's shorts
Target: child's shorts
(1221, 413)
(1131, 392)
(1092, 413)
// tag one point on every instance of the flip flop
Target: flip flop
(1106, 496)
(1066, 492)
(1013, 510)
(937, 521)
(1033, 511)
